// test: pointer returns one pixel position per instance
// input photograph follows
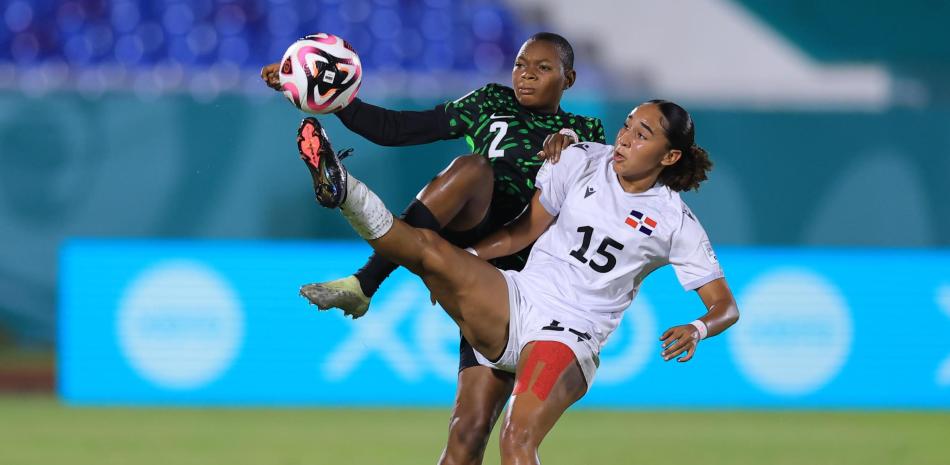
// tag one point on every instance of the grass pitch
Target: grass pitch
(38, 430)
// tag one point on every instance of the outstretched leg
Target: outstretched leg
(456, 200)
(471, 291)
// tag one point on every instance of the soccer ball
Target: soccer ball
(320, 73)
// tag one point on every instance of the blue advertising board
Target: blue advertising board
(221, 323)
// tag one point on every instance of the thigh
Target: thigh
(548, 381)
(460, 195)
(473, 292)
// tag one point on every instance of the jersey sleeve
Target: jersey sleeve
(692, 256)
(555, 180)
(396, 128)
(463, 113)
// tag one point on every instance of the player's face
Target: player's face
(538, 77)
(642, 148)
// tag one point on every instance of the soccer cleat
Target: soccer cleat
(345, 294)
(329, 175)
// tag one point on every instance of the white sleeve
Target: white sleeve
(692, 256)
(555, 180)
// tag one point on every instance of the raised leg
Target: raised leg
(471, 291)
(457, 199)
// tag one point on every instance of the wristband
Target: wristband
(570, 133)
(701, 327)
(471, 251)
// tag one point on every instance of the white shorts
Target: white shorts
(528, 323)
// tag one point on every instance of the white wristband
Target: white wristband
(471, 251)
(570, 133)
(701, 327)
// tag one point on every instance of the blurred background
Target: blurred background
(155, 225)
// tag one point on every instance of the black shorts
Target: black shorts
(466, 355)
(491, 223)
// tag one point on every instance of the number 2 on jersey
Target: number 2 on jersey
(502, 128)
(608, 265)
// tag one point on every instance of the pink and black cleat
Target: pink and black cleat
(329, 175)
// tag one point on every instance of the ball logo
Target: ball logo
(795, 333)
(180, 324)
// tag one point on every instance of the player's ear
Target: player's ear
(671, 157)
(569, 77)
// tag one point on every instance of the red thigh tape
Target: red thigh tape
(553, 357)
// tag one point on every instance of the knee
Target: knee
(433, 250)
(469, 169)
(518, 439)
(468, 437)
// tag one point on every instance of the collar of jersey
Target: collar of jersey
(657, 189)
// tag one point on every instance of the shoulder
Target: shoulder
(586, 151)
(589, 150)
(586, 127)
(678, 210)
(585, 120)
(580, 157)
(494, 90)
(479, 97)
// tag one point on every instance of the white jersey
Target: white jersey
(605, 241)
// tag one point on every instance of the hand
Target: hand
(679, 339)
(553, 145)
(270, 77)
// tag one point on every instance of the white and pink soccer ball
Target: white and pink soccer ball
(320, 73)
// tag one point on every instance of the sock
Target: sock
(377, 268)
(365, 212)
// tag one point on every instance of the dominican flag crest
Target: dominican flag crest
(641, 222)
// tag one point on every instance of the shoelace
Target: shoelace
(344, 153)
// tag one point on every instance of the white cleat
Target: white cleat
(345, 294)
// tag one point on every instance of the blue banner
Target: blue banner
(221, 323)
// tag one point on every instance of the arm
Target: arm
(396, 128)
(518, 234)
(721, 313)
(721, 309)
(380, 125)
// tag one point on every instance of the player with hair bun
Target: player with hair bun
(603, 219)
(510, 131)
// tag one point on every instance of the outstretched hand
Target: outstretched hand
(554, 144)
(680, 339)
(270, 77)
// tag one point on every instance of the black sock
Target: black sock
(377, 269)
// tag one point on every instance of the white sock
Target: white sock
(364, 210)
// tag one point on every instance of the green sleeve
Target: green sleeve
(594, 131)
(464, 112)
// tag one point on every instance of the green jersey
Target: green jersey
(499, 128)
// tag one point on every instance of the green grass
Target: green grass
(38, 430)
